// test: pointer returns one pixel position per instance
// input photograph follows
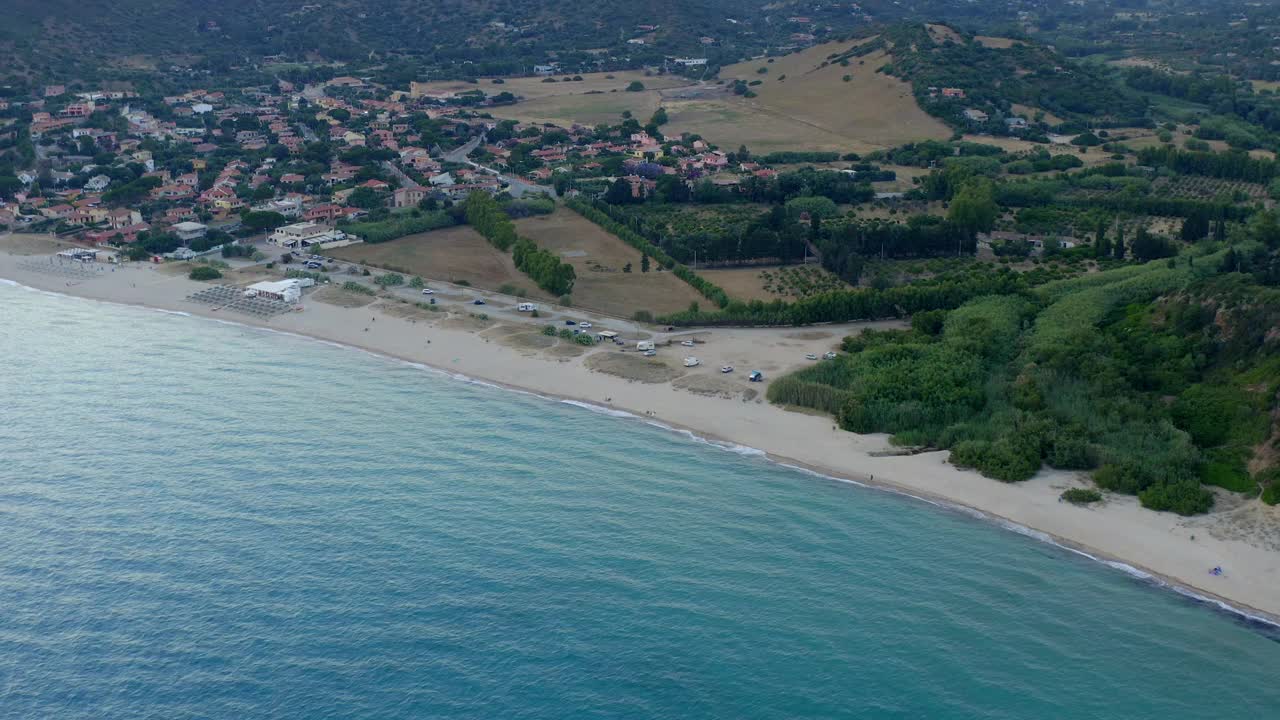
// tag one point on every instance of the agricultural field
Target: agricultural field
(598, 258)
(773, 283)
(1001, 43)
(534, 88)
(688, 219)
(802, 105)
(592, 109)
(1206, 188)
(1030, 112)
(455, 254)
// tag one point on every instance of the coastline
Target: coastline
(1156, 547)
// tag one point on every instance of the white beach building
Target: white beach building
(305, 236)
(289, 291)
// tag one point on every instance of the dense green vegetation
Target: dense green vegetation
(487, 216)
(204, 272)
(398, 226)
(994, 79)
(1158, 377)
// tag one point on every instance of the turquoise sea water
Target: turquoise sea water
(201, 520)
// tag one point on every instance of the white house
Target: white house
(188, 231)
(201, 108)
(97, 183)
(441, 180)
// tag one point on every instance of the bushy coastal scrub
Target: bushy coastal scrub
(358, 288)
(399, 226)
(204, 272)
(1157, 378)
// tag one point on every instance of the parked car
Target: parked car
(687, 343)
(650, 352)
(810, 356)
(584, 324)
(756, 376)
(570, 322)
(726, 369)
(428, 291)
(830, 355)
(477, 301)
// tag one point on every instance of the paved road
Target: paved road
(459, 154)
(405, 180)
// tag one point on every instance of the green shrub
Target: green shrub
(549, 330)
(355, 287)
(204, 272)
(1081, 496)
(643, 316)
(389, 280)
(1184, 497)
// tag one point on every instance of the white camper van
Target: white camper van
(526, 307)
(644, 345)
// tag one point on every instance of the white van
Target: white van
(644, 345)
(526, 307)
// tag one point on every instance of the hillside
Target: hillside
(479, 36)
(996, 74)
(811, 100)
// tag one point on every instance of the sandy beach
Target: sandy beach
(1243, 537)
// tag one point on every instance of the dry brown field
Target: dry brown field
(533, 88)
(453, 254)
(811, 109)
(566, 110)
(598, 259)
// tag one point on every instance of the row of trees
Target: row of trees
(1226, 165)
(484, 213)
(599, 215)
(858, 304)
(544, 267)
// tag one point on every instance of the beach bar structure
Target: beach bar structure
(305, 236)
(80, 254)
(289, 291)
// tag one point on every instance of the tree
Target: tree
(1195, 226)
(974, 208)
(260, 220)
(659, 117)
(1146, 246)
(1101, 244)
(619, 193)
(1117, 247)
(644, 263)
(366, 198)
(635, 86)
(626, 268)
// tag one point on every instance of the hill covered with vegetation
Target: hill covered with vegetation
(1158, 378)
(449, 37)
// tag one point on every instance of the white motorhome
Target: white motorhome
(644, 345)
(526, 307)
